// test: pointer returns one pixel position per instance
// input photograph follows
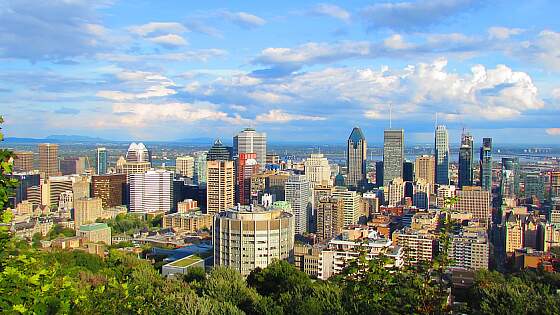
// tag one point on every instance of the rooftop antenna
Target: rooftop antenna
(390, 116)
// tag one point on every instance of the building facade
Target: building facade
(151, 191)
(393, 155)
(220, 186)
(251, 141)
(356, 157)
(442, 155)
(48, 159)
(298, 194)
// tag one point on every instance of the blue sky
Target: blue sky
(300, 71)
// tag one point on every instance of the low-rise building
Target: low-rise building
(418, 245)
(181, 266)
(95, 232)
(307, 259)
(187, 222)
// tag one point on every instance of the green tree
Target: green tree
(59, 230)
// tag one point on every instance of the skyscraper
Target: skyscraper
(251, 141)
(425, 168)
(48, 159)
(466, 161)
(220, 186)
(151, 191)
(318, 170)
(486, 164)
(476, 201)
(219, 152)
(356, 156)
(247, 166)
(352, 204)
(442, 155)
(393, 155)
(200, 168)
(298, 194)
(184, 165)
(137, 153)
(330, 217)
(23, 161)
(101, 161)
(509, 184)
(110, 188)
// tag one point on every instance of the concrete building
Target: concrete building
(110, 188)
(425, 168)
(87, 210)
(330, 218)
(48, 159)
(188, 222)
(23, 161)
(356, 157)
(95, 233)
(442, 155)
(298, 194)
(181, 266)
(307, 259)
(187, 205)
(443, 193)
(393, 155)
(318, 170)
(220, 193)
(184, 165)
(513, 231)
(470, 249)
(151, 191)
(418, 245)
(396, 192)
(247, 237)
(251, 141)
(476, 201)
(352, 204)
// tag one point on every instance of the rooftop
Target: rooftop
(185, 262)
(93, 226)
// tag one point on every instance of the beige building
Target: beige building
(444, 192)
(248, 237)
(317, 170)
(48, 159)
(189, 222)
(184, 165)
(470, 249)
(129, 168)
(395, 192)
(95, 233)
(187, 205)
(418, 245)
(352, 204)
(513, 231)
(425, 168)
(477, 201)
(87, 210)
(330, 218)
(23, 161)
(220, 188)
(307, 259)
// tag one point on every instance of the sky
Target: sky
(300, 71)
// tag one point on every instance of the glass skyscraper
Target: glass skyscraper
(486, 164)
(393, 155)
(465, 161)
(442, 155)
(101, 161)
(356, 156)
(251, 141)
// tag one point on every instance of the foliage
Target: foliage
(59, 230)
(125, 223)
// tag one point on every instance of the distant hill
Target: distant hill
(201, 140)
(57, 139)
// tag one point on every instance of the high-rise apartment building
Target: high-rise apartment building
(151, 191)
(247, 166)
(486, 164)
(200, 168)
(220, 186)
(419, 245)
(251, 141)
(425, 168)
(470, 249)
(101, 161)
(474, 200)
(330, 217)
(317, 170)
(184, 165)
(247, 237)
(137, 152)
(396, 192)
(352, 204)
(356, 157)
(466, 161)
(87, 210)
(23, 161)
(48, 159)
(110, 188)
(393, 155)
(298, 194)
(442, 155)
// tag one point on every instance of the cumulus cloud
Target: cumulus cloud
(243, 19)
(498, 32)
(280, 116)
(413, 15)
(331, 10)
(553, 131)
(139, 85)
(158, 28)
(169, 40)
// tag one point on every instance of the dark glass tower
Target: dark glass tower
(356, 156)
(486, 164)
(466, 161)
(219, 152)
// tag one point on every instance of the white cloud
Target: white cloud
(498, 32)
(171, 40)
(201, 55)
(244, 19)
(268, 97)
(239, 108)
(332, 11)
(154, 28)
(396, 42)
(280, 116)
(553, 131)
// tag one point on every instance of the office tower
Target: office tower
(534, 186)
(352, 204)
(396, 192)
(247, 166)
(101, 161)
(486, 164)
(251, 141)
(321, 191)
(318, 170)
(25, 180)
(442, 155)
(425, 168)
(356, 156)
(554, 187)
(444, 192)
(58, 185)
(72, 165)
(262, 236)
(137, 152)
(476, 201)
(509, 185)
(129, 168)
(220, 186)
(48, 159)
(421, 194)
(330, 217)
(200, 168)
(339, 180)
(219, 152)
(110, 188)
(379, 173)
(408, 171)
(470, 250)
(87, 210)
(81, 186)
(23, 161)
(95, 233)
(151, 191)
(298, 194)
(393, 155)
(184, 165)
(466, 161)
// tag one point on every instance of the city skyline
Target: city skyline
(119, 70)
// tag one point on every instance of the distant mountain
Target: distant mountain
(57, 139)
(201, 140)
